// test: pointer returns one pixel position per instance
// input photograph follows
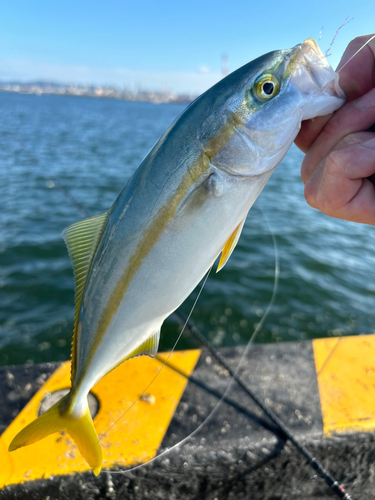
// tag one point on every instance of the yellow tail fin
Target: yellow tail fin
(56, 419)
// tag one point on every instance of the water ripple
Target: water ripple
(327, 284)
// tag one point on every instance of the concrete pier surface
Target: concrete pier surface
(323, 390)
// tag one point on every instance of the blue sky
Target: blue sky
(162, 44)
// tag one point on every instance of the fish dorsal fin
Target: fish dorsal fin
(82, 239)
(147, 348)
(230, 246)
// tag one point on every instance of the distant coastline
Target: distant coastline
(98, 92)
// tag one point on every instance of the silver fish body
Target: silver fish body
(185, 204)
(175, 215)
(187, 230)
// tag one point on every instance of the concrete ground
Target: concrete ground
(237, 454)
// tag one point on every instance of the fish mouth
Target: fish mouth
(321, 71)
(314, 77)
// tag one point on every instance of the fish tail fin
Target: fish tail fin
(60, 418)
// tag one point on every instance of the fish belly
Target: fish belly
(166, 273)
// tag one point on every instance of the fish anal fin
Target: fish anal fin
(82, 240)
(230, 246)
(147, 348)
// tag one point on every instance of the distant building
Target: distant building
(40, 88)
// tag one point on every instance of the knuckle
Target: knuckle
(333, 168)
(334, 165)
(350, 140)
(357, 42)
(305, 169)
(333, 127)
(326, 202)
(310, 195)
(317, 198)
(360, 40)
(325, 205)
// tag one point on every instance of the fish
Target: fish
(184, 206)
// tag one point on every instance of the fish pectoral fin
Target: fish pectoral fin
(147, 348)
(81, 429)
(82, 240)
(230, 246)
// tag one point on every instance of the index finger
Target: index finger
(353, 117)
(356, 79)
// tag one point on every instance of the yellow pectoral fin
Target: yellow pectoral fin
(81, 429)
(230, 246)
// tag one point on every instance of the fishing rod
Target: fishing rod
(328, 478)
(335, 486)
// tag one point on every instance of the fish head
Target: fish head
(264, 105)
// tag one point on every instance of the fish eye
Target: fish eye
(266, 87)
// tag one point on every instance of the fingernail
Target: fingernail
(370, 144)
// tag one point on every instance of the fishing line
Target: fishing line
(346, 21)
(372, 129)
(233, 374)
(333, 350)
(359, 50)
(331, 353)
(55, 183)
(317, 466)
(332, 483)
(166, 360)
(76, 204)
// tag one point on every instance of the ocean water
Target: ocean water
(53, 148)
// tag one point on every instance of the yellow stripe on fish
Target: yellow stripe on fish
(161, 220)
(151, 236)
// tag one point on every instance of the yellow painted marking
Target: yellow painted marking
(346, 379)
(135, 439)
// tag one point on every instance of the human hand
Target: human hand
(339, 167)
